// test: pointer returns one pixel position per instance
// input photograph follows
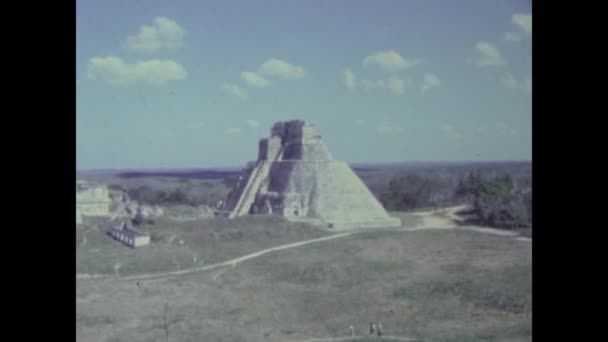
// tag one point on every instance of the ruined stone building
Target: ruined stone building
(91, 200)
(296, 177)
(125, 233)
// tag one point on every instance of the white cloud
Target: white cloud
(349, 79)
(430, 81)
(523, 21)
(253, 79)
(446, 127)
(168, 133)
(115, 71)
(195, 125)
(233, 130)
(164, 33)
(235, 90)
(450, 131)
(367, 84)
(278, 68)
(396, 86)
(385, 128)
(509, 81)
(489, 55)
(390, 61)
(504, 129)
(498, 128)
(501, 126)
(512, 37)
(253, 123)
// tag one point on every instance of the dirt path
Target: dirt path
(232, 262)
(445, 218)
(235, 261)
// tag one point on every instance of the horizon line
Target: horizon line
(220, 167)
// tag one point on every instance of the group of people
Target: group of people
(374, 329)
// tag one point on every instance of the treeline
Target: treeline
(202, 194)
(497, 199)
(147, 195)
(417, 191)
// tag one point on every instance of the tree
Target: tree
(412, 190)
(468, 186)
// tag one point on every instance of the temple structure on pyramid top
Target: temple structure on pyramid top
(296, 177)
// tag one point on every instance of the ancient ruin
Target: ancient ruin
(128, 235)
(296, 177)
(91, 200)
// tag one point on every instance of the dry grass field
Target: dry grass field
(424, 284)
(435, 285)
(205, 241)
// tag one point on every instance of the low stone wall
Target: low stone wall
(130, 237)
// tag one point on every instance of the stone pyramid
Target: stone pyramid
(296, 177)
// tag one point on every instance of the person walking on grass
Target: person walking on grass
(372, 328)
(380, 329)
(351, 331)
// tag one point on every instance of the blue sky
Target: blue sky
(198, 83)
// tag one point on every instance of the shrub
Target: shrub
(498, 204)
(498, 199)
(414, 191)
